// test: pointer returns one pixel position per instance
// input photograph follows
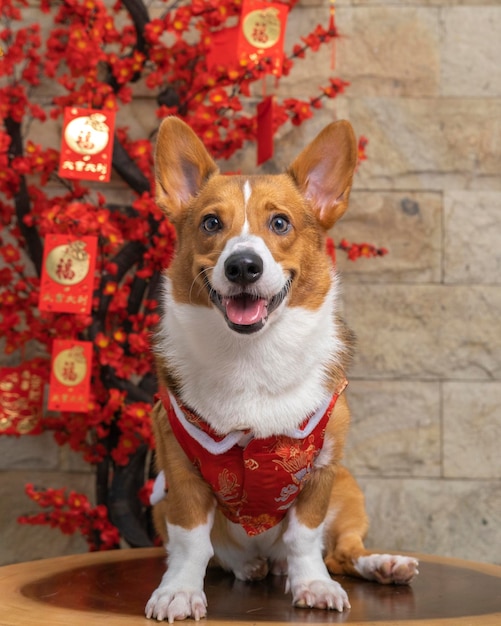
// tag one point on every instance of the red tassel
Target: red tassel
(265, 130)
(332, 29)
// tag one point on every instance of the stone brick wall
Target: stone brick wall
(425, 390)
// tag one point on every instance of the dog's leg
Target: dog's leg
(346, 553)
(308, 577)
(184, 519)
(350, 557)
(180, 594)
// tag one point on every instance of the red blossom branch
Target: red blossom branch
(93, 55)
(355, 251)
(71, 513)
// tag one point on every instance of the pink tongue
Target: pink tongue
(245, 310)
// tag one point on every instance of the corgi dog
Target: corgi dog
(251, 362)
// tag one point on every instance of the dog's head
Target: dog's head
(248, 245)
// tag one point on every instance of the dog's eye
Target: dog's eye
(211, 224)
(280, 224)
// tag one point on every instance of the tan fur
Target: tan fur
(182, 478)
(314, 193)
(333, 486)
(345, 536)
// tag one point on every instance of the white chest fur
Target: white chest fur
(267, 382)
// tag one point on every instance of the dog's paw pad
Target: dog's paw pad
(321, 594)
(179, 605)
(255, 569)
(279, 567)
(388, 568)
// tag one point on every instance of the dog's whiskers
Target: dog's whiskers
(202, 272)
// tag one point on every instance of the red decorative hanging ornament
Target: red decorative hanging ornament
(87, 144)
(222, 49)
(333, 32)
(265, 130)
(70, 376)
(67, 279)
(21, 397)
(262, 32)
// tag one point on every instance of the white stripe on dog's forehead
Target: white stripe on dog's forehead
(247, 194)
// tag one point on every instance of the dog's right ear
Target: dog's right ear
(182, 165)
(324, 171)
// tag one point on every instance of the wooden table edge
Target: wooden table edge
(19, 610)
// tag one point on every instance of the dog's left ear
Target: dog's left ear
(182, 166)
(324, 171)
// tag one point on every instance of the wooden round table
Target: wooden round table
(112, 588)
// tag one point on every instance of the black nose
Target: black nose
(243, 267)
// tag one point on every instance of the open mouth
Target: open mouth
(246, 312)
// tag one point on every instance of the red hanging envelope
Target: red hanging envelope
(21, 397)
(262, 32)
(70, 376)
(222, 53)
(67, 281)
(87, 144)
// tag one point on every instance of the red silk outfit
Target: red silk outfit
(255, 481)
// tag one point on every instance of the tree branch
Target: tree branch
(128, 170)
(140, 17)
(22, 198)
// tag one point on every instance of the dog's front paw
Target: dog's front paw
(387, 568)
(320, 594)
(175, 605)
